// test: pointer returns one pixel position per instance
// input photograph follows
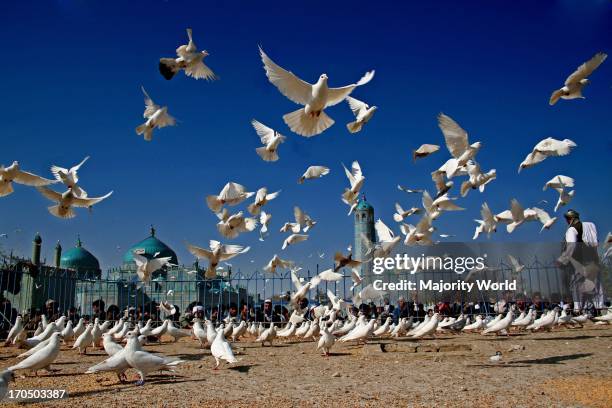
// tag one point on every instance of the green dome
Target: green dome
(148, 247)
(79, 259)
(363, 205)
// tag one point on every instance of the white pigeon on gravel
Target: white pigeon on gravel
(363, 114)
(144, 362)
(232, 225)
(457, 143)
(261, 198)
(326, 341)
(70, 178)
(502, 324)
(221, 349)
(572, 89)
(115, 363)
(109, 344)
(309, 120)
(267, 336)
(294, 239)
(156, 116)
(84, 340)
(427, 329)
(15, 330)
(189, 59)
(231, 194)
(43, 358)
(359, 333)
(13, 173)
(79, 328)
(313, 172)
(218, 252)
(270, 139)
(68, 332)
(545, 148)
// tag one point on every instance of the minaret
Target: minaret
(364, 229)
(36, 248)
(58, 255)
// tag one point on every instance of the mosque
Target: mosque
(75, 280)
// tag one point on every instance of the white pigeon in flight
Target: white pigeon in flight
(277, 262)
(66, 200)
(231, 225)
(261, 198)
(356, 180)
(363, 114)
(572, 89)
(546, 220)
(303, 219)
(188, 59)
(13, 173)
(294, 239)
(419, 234)
(264, 220)
(400, 214)
(435, 207)
(145, 267)
(218, 252)
(309, 120)
(559, 181)
(231, 194)
(313, 172)
(548, 147)
(477, 179)
(457, 143)
(424, 150)
(70, 178)
(386, 241)
(270, 139)
(303, 288)
(156, 117)
(488, 224)
(564, 198)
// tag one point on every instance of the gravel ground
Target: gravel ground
(563, 368)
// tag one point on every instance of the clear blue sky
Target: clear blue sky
(71, 80)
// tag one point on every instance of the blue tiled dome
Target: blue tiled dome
(79, 259)
(363, 205)
(148, 247)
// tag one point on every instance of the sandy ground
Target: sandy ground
(563, 368)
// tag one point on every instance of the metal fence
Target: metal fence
(27, 289)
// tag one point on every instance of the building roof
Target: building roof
(80, 259)
(148, 247)
(362, 204)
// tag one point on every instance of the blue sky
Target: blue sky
(71, 87)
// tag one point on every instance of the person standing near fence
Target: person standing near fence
(581, 260)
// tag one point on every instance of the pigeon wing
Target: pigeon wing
(287, 82)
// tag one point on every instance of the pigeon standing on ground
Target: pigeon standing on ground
(144, 362)
(43, 358)
(572, 89)
(309, 120)
(70, 178)
(13, 173)
(221, 349)
(156, 117)
(363, 114)
(15, 330)
(188, 59)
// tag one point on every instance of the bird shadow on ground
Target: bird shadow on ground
(502, 365)
(243, 368)
(582, 337)
(339, 354)
(189, 357)
(552, 360)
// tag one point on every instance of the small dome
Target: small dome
(363, 205)
(148, 247)
(37, 239)
(79, 259)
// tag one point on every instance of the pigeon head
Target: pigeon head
(323, 77)
(205, 53)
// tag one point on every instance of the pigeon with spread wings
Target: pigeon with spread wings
(189, 59)
(70, 178)
(66, 200)
(310, 120)
(572, 89)
(156, 116)
(13, 173)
